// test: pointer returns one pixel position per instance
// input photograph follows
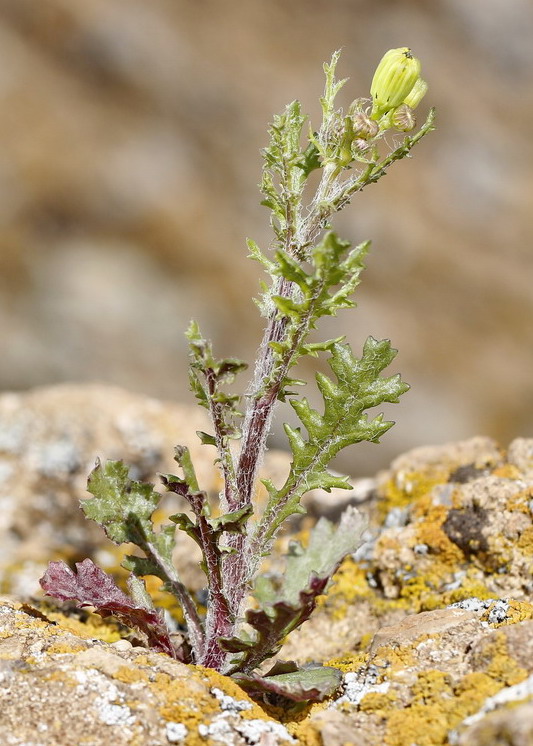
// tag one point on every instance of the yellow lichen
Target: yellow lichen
(395, 657)
(501, 666)
(379, 703)
(431, 686)
(429, 531)
(406, 488)
(518, 611)
(306, 734)
(423, 725)
(507, 471)
(438, 706)
(348, 587)
(349, 662)
(472, 586)
(130, 675)
(92, 627)
(525, 542)
(61, 648)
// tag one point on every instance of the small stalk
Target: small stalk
(226, 457)
(220, 620)
(190, 612)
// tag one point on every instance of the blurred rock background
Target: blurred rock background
(129, 154)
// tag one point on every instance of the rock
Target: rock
(430, 620)
(124, 696)
(520, 454)
(440, 622)
(512, 727)
(429, 686)
(128, 174)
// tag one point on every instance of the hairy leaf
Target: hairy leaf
(286, 680)
(121, 506)
(91, 586)
(358, 386)
(285, 603)
(124, 508)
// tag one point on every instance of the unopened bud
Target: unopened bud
(393, 80)
(416, 94)
(364, 127)
(403, 118)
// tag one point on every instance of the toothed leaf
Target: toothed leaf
(343, 422)
(311, 684)
(122, 506)
(88, 585)
(284, 603)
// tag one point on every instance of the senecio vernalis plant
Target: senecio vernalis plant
(311, 273)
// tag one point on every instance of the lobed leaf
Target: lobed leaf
(358, 386)
(286, 603)
(122, 506)
(286, 680)
(91, 586)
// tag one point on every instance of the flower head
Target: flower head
(394, 79)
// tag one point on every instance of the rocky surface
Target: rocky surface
(56, 687)
(431, 621)
(129, 159)
(50, 439)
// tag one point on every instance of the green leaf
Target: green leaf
(227, 368)
(120, 505)
(310, 159)
(258, 256)
(234, 522)
(284, 603)
(358, 386)
(206, 439)
(311, 684)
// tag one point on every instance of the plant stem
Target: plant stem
(192, 618)
(219, 621)
(226, 457)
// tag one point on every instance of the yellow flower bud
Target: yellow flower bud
(393, 80)
(417, 93)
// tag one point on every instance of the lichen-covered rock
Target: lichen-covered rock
(49, 440)
(58, 688)
(426, 680)
(431, 620)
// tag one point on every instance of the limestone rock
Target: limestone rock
(430, 620)
(130, 155)
(56, 687)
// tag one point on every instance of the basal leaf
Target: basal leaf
(88, 585)
(311, 684)
(285, 603)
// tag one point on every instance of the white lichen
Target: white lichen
(358, 684)
(229, 704)
(175, 732)
(225, 726)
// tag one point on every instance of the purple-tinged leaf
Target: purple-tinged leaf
(286, 603)
(299, 685)
(273, 624)
(91, 586)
